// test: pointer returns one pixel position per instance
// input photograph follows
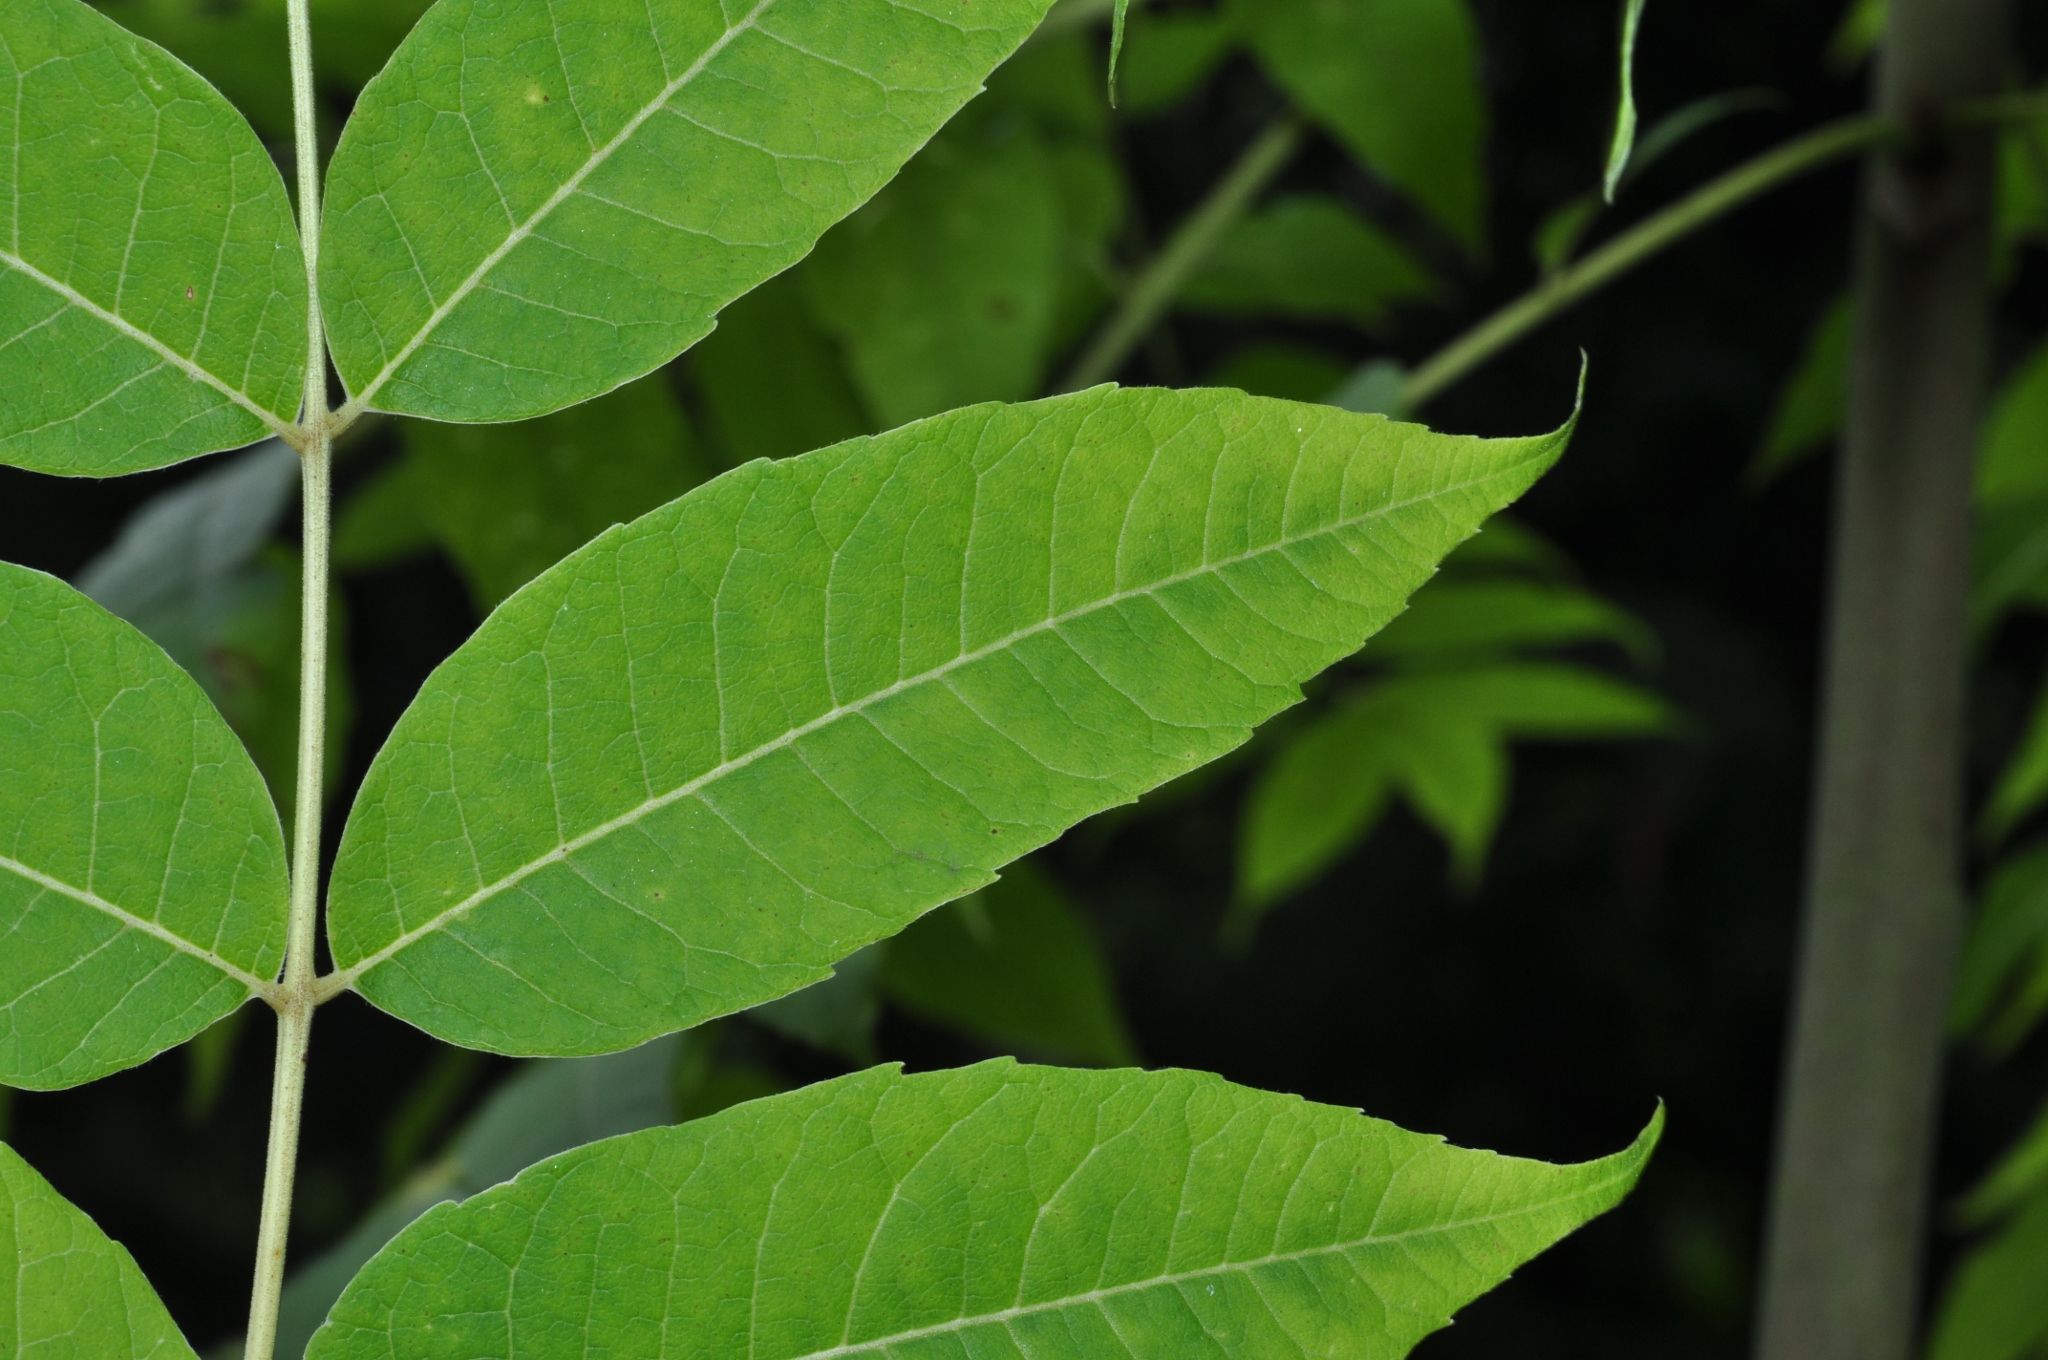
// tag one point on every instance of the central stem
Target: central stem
(297, 1000)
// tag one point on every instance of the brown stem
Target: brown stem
(1849, 1203)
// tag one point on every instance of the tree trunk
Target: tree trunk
(1884, 896)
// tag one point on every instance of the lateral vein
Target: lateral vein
(256, 985)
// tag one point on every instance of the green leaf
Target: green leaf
(510, 501)
(1557, 238)
(944, 289)
(2012, 464)
(1116, 41)
(385, 521)
(1013, 964)
(1449, 616)
(2001, 987)
(1396, 81)
(543, 1109)
(1623, 145)
(1279, 368)
(1809, 408)
(774, 384)
(142, 883)
(1170, 56)
(66, 1289)
(1506, 546)
(2019, 1177)
(1995, 1308)
(711, 753)
(837, 1015)
(577, 188)
(1862, 29)
(1440, 738)
(1375, 387)
(152, 297)
(996, 1210)
(2024, 784)
(1308, 257)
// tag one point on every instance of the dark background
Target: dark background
(1632, 940)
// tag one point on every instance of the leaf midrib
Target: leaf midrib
(283, 429)
(359, 402)
(257, 986)
(346, 977)
(1173, 1279)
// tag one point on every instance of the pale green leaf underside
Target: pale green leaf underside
(152, 299)
(142, 880)
(720, 748)
(66, 1291)
(994, 1211)
(534, 203)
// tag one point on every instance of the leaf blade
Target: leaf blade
(125, 347)
(123, 948)
(891, 1210)
(972, 565)
(608, 262)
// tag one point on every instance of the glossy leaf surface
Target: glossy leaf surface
(997, 1210)
(534, 203)
(142, 880)
(152, 298)
(717, 750)
(67, 1292)
(1396, 81)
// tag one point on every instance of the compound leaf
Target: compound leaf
(1307, 256)
(1396, 81)
(142, 881)
(1013, 964)
(994, 1210)
(66, 1289)
(152, 297)
(575, 189)
(720, 748)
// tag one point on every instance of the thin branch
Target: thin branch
(1192, 242)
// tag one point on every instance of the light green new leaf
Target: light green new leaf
(1013, 964)
(1397, 82)
(714, 751)
(997, 1210)
(1623, 145)
(142, 882)
(1308, 257)
(68, 1292)
(774, 385)
(152, 298)
(1809, 407)
(943, 290)
(509, 501)
(534, 203)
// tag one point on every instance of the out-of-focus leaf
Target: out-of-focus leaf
(2001, 988)
(2011, 551)
(142, 867)
(773, 384)
(1557, 238)
(1015, 964)
(509, 501)
(1623, 144)
(1307, 257)
(66, 1289)
(1809, 407)
(1396, 81)
(944, 289)
(1440, 738)
(2024, 784)
(1861, 30)
(2019, 1177)
(209, 1055)
(837, 1015)
(1506, 546)
(1280, 368)
(1375, 387)
(2022, 213)
(719, 749)
(1167, 1214)
(1671, 131)
(152, 298)
(1449, 616)
(546, 1108)
(385, 521)
(424, 1110)
(2012, 465)
(1995, 1307)
(1169, 57)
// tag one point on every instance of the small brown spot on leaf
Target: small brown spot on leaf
(188, 292)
